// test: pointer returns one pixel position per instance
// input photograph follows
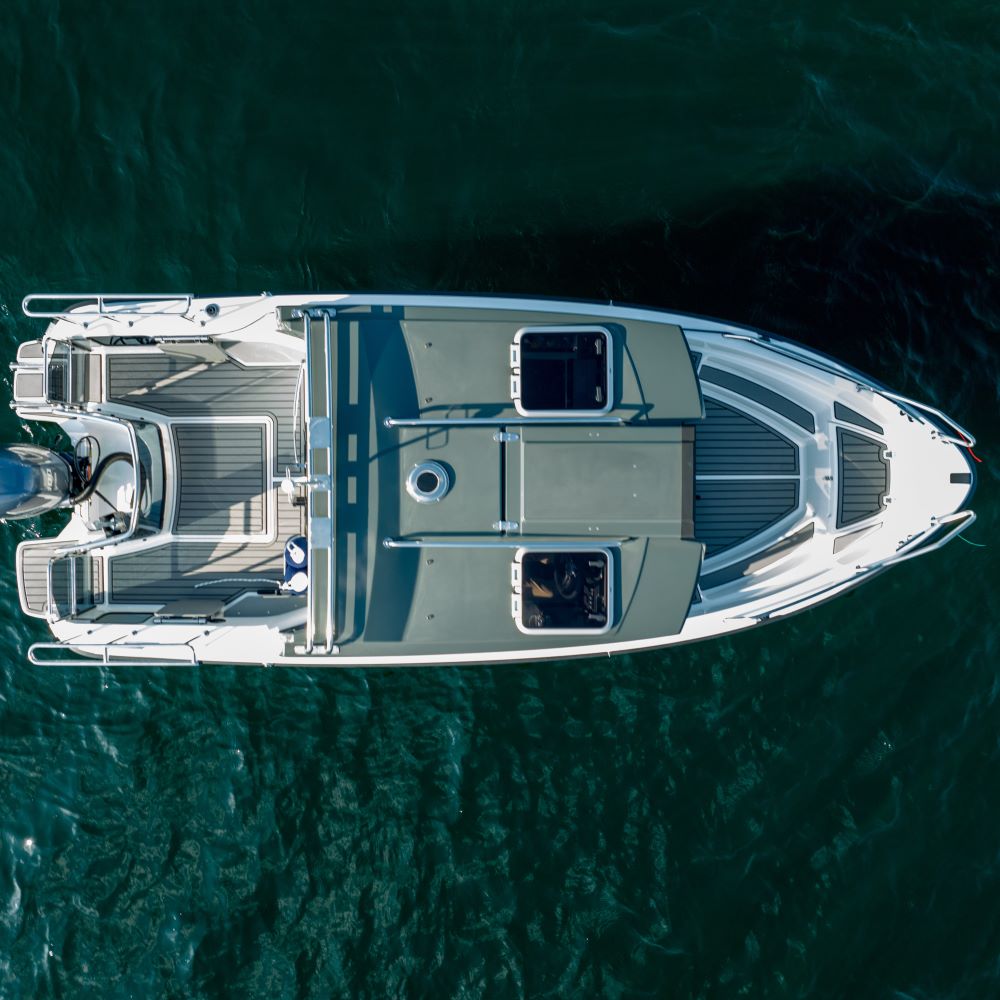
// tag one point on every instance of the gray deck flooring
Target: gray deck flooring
(727, 512)
(222, 479)
(170, 572)
(34, 572)
(730, 443)
(863, 480)
(175, 387)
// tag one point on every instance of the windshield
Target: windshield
(151, 489)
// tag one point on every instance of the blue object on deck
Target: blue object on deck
(296, 558)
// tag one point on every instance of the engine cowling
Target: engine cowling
(33, 480)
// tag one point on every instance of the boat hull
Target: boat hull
(807, 479)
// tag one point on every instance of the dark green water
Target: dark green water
(809, 810)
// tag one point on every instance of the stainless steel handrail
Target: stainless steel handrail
(50, 593)
(106, 659)
(807, 601)
(808, 357)
(331, 575)
(102, 301)
(310, 405)
(964, 439)
(913, 548)
(516, 421)
(48, 348)
(508, 542)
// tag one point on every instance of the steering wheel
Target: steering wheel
(86, 454)
(567, 579)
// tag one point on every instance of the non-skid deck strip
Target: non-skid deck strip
(863, 480)
(222, 479)
(728, 512)
(760, 394)
(730, 442)
(176, 387)
(758, 561)
(746, 477)
(850, 416)
(164, 573)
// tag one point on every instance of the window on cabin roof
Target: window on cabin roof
(562, 591)
(559, 370)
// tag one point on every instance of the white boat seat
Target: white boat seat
(29, 386)
(30, 352)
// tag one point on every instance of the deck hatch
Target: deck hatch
(562, 591)
(863, 480)
(222, 479)
(629, 481)
(558, 370)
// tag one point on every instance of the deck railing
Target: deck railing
(102, 654)
(85, 306)
(919, 411)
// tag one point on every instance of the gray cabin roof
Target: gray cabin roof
(386, 569)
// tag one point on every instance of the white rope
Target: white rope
(237, 579)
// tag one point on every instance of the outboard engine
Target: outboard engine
(33, 480)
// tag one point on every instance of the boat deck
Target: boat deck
(232, 521)
(221, 570)
(33, 560)
(176, 387)
(746, 477)
(234, 429)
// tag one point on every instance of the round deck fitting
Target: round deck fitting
(427, 482)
